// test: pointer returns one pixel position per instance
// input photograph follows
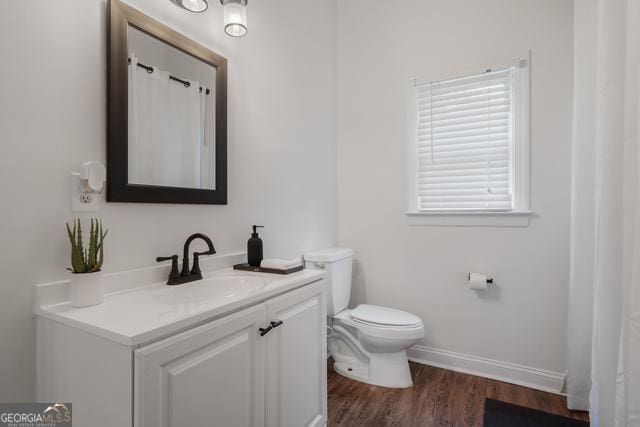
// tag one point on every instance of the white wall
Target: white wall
(282, 146)
(382, 45)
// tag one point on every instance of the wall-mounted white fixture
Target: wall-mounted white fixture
(92, 177)
(235, 17)
(85, 185)
(196, 6)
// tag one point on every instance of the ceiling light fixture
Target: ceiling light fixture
(196, 6)
(235, 17)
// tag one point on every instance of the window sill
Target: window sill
(469, 219)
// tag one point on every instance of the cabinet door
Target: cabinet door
(212, 375)
(296, 358)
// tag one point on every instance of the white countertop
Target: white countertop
(144, 314)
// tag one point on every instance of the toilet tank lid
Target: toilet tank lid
(384, 316)
(328, 255)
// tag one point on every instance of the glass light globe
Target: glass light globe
(235, 19)
(196, 6)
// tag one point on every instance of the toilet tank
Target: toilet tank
(337, 262)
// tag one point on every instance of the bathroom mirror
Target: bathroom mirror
(166, 114)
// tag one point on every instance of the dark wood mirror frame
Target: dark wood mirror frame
(120, 17)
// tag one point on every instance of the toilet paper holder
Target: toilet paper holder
(489, 279)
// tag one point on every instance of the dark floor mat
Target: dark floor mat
(502, 414)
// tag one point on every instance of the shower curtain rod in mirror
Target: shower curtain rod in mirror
(184, 82)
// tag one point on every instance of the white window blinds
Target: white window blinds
(465, 137)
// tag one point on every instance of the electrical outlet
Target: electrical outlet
(81, 201)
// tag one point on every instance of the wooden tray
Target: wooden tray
(247, 267)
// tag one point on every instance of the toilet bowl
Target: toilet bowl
(373, 350)
(367, 343)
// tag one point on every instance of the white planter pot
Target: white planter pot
(86, 289)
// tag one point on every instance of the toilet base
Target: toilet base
(381, 369)
(390, 370)
(352, 369)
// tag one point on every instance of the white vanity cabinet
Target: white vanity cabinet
(296, 360)
(211, 375)
(222, 372)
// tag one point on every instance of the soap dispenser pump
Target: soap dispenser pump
(254, 248)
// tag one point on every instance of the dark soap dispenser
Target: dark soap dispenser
(254, 248)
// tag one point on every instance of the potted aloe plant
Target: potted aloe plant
(86, 264)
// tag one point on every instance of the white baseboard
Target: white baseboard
(538, 379)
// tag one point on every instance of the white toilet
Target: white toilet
(367, 343)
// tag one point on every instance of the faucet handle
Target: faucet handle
(196, 263)
(174, 266)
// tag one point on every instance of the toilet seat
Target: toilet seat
(377, 330)
(384, 316)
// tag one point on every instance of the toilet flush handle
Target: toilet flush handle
(319, 265)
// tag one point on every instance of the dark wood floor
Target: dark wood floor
(439, 398)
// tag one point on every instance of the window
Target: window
(469, 150)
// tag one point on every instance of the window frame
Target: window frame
(520, 168)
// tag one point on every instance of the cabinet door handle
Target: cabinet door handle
(276, 324)
(265, 331)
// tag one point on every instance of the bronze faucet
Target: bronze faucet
(187, 275)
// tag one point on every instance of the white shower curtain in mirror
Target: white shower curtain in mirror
(208, 149)
(166, 129)
(604, 302)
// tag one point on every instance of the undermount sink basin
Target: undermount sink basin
(215, 287)
(236, 284)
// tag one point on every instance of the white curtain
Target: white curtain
(604, 313)
(166, 129)
(582, 207)
(208, 148)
